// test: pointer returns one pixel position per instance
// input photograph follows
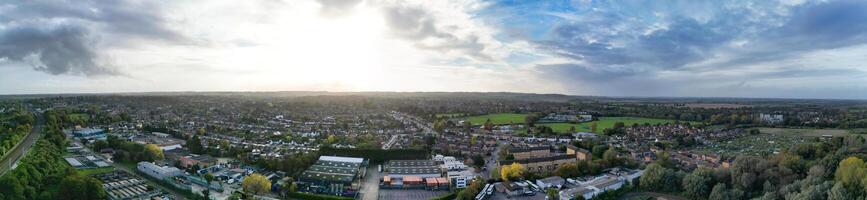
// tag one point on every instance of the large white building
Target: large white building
(771, 118)
(158, 172)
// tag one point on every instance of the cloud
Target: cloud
(424, 28)
(660, 48)
(61, 49)
(69, 37)
(334, 8)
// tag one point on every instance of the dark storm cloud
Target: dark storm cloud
(57, 50)
(64, 37)
(417, 25)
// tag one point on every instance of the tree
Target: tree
(208, 178)
(80, 187)
(513, 171)
(567, 170)
(610, 157)
(478, 161)
(552, 194)
(850, 172)
(293, 187)
(195, 145)
(593, 127)
(154, 152)
(598, 151)
(256, 183)
(697, 185)
(653, 178)
(471, 191)
(331, 139)
(719, 192)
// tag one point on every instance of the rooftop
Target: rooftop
(341, 159)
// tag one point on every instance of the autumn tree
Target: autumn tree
(513, 171)
(256, 183)
(154, 152)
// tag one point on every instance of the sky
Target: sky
(767, 48)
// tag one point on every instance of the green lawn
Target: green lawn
(87, 172)
(497, 119)
(604, 122)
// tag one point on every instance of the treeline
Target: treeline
(43, 174)
(829, 170)
(15, 126)
(128, 151)
(293, 165)
(376, 155)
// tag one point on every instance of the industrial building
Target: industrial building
(333, 175)
(158, 172)
(89, 133)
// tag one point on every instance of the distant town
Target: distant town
(309, 145)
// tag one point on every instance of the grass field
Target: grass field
(87, 172)
(497, 119)
(603, 123)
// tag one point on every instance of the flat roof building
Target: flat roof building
(421, 168)
(158, 172)
(333, 175)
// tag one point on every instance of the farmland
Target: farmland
(603, 123)
(769, 141)
(805, 132)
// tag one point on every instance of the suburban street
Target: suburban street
(11, 160)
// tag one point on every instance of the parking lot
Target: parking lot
(409, 194)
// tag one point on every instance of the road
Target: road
(391, 142)
(10, 161)
(491, 164)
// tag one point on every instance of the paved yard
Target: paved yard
(370, 184)
(500, 195)
(409, 194)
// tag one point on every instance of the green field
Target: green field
(603, 123)
(87, 172)
(498, 119)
